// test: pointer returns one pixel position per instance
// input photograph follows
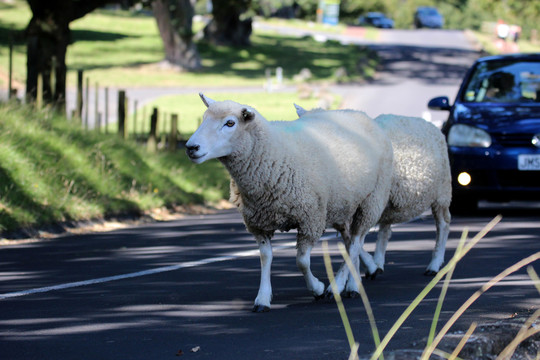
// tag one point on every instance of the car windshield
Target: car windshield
(429, 12)
(504, 81)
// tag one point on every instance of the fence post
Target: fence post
(39, 92)
(173, 138)
(98, 124)
(152, 141)
(135, 104)
(97, 121)
(121, 113)
(79, 104)
(52, 83)
(10, 76)
(86, 97)
(106, 110)
(162, 133)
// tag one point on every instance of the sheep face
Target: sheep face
(222, 125)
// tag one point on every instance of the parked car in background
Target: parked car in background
(493, 131)
(376, 19)
(429, 17)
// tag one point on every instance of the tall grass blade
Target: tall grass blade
(463, 341)
(526, 331)
(445, 289)
(363, 295)
(429, 350)
(534, 276)
(452, 263)
(339, 302)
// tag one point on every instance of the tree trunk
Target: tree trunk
(47, 41)
(226, 27)
(174, 20)
(48, 36)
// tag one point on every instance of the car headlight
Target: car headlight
(468, 136)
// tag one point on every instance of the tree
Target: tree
(226, 26)
(174, 19)
(48, 36)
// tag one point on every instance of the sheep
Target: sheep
(328, 169)
(421, 180)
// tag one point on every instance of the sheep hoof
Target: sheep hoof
(351, 294)
(328, 295)
(319, 297)
(430, 273)
(260, 308)
(374, 275)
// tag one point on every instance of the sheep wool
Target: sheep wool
(326, 169)
(421, 180)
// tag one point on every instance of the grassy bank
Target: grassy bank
(53, 171)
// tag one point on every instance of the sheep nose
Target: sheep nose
(192, 149)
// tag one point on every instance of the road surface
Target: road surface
(417, 65)
(149, 292)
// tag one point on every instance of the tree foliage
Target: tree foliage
(458, 14)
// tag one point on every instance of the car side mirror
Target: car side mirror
(439, 103)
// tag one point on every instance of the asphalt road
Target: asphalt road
(416, 66)
(151, 291)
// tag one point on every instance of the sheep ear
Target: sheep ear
(300, 110)
(206, 100)
(247, 114)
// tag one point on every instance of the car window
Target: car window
(504, 82)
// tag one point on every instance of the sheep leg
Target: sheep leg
(303, 261)
(442, 222)
(366, 258)
(354, 248)
(383, 236)
(264, 297)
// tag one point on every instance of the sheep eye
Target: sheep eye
(229, 123)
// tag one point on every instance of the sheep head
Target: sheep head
(222, 126)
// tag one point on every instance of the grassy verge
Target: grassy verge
(273, 106)
(53, 171)
(488, 43)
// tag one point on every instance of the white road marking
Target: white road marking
(185, 265)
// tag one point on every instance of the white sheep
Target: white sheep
(421, 181)
(327, 169)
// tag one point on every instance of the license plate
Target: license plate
(529, 162)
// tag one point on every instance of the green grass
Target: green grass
(127, 53)
(487, 41)
(190, 109)
(52, 171)
(13, 20)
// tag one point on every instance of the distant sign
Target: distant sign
(330, 11)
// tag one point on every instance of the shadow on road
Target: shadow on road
(431, 65)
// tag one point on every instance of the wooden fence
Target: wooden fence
(164, 128)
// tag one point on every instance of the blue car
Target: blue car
(493, 131)
(428, 17)
(376, 19)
